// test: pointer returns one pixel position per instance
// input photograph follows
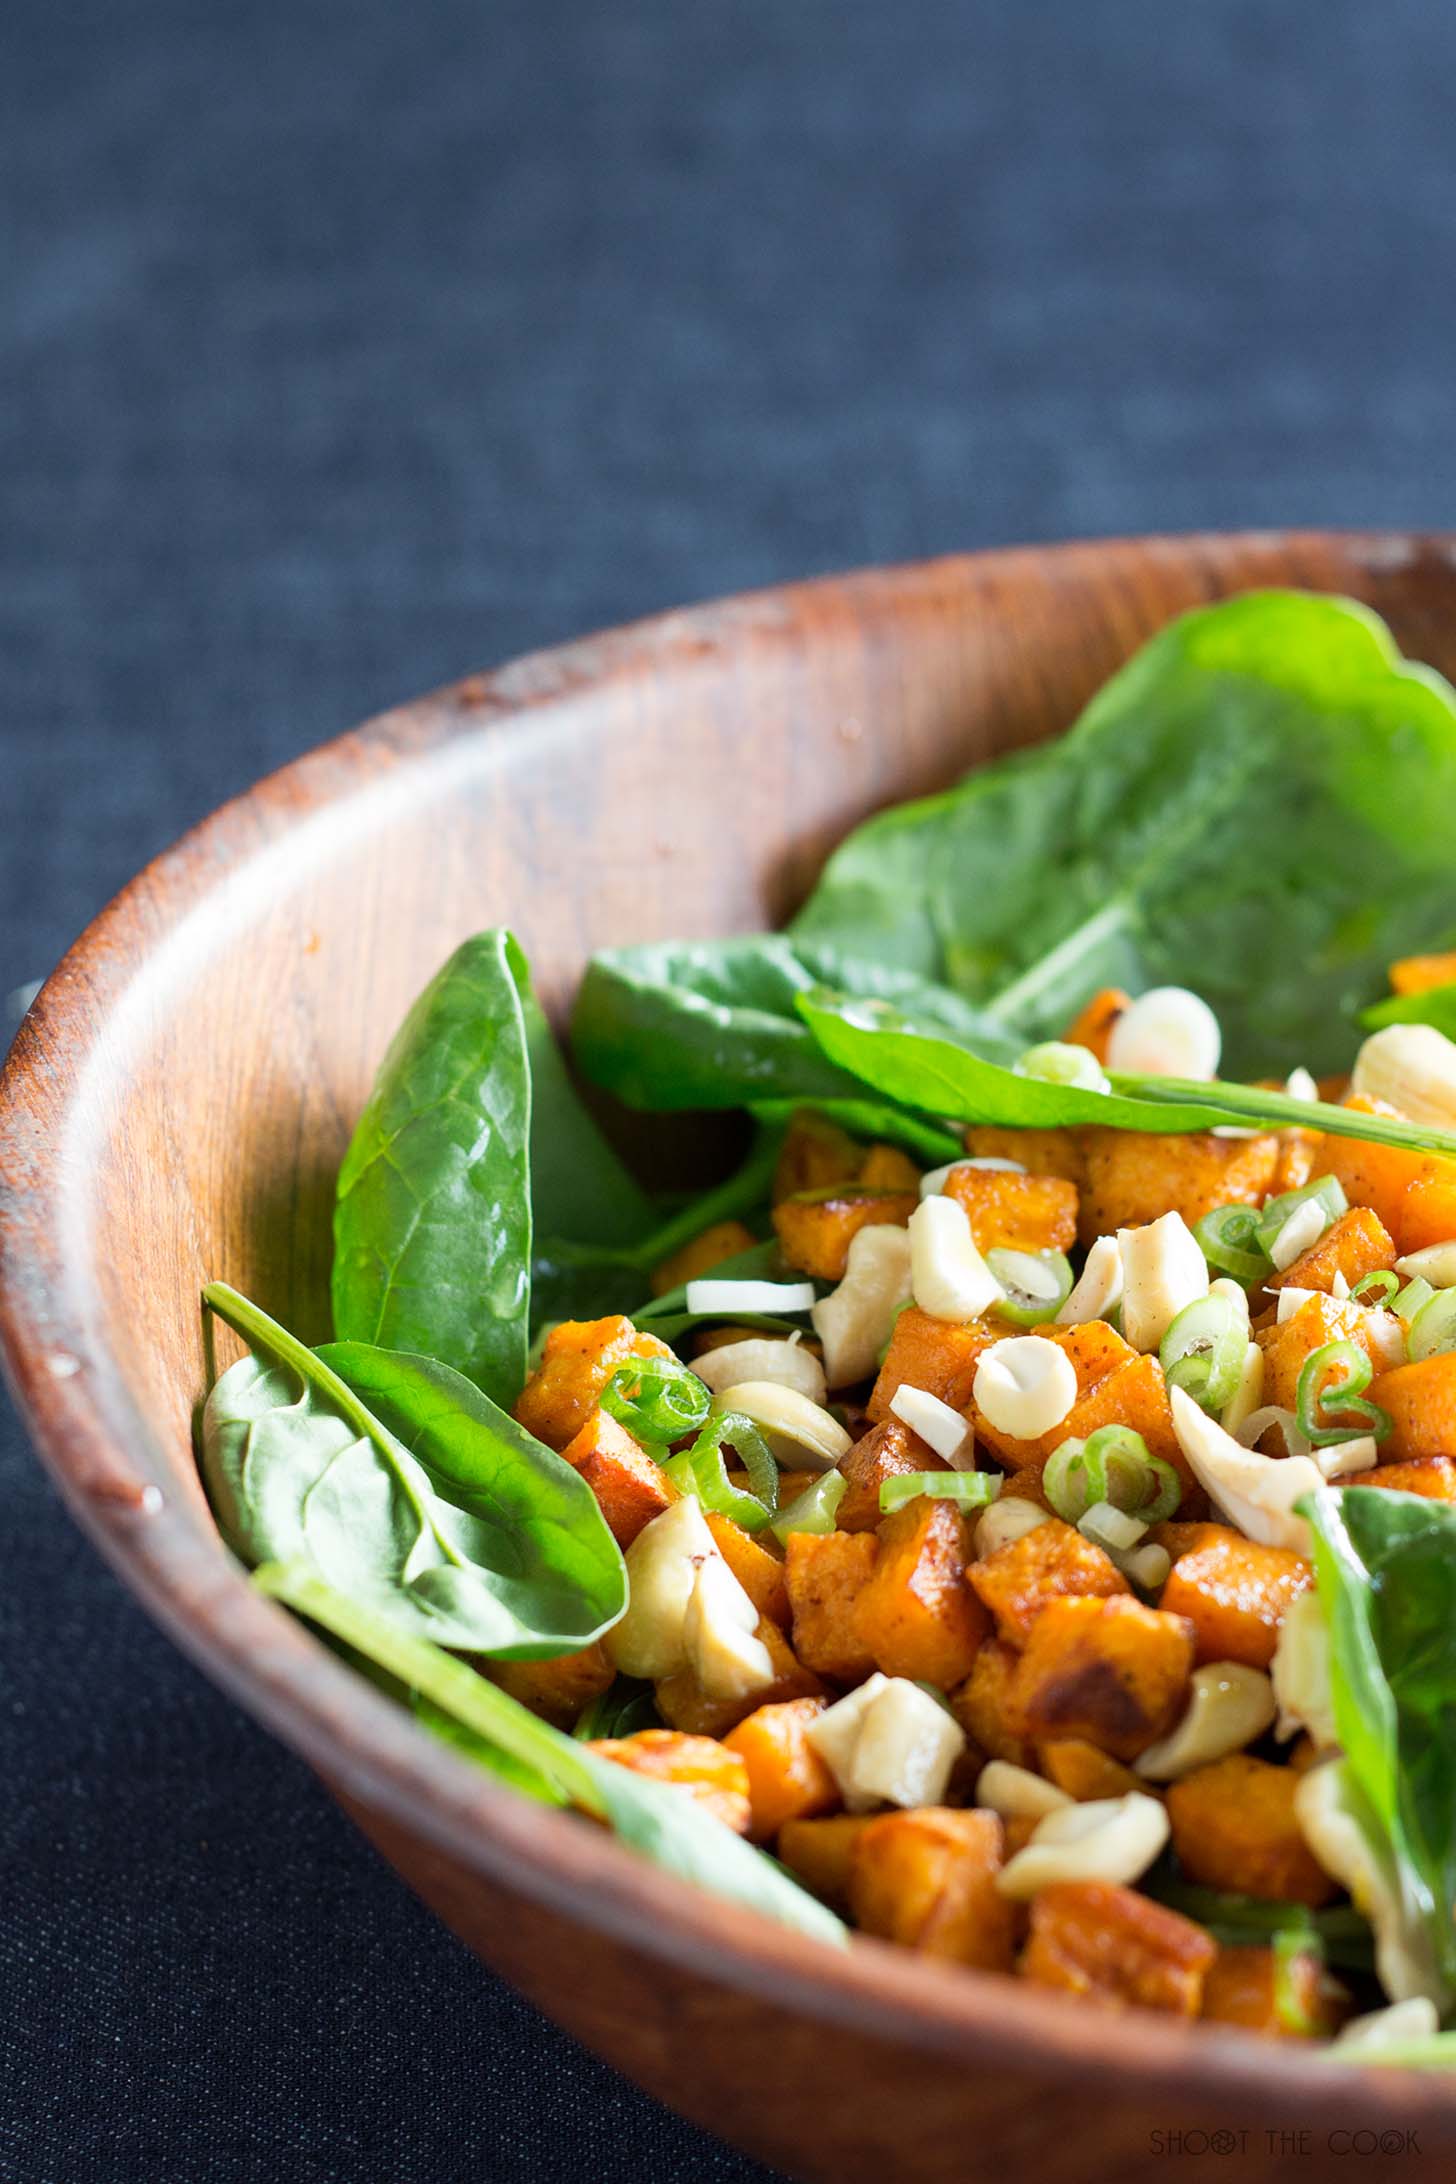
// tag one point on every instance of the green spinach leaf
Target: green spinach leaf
(1261, 806)
(1385, 1564)
(398, 1481)
(662, 1822)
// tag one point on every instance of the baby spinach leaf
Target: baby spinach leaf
(579, 1187)
(713, 1023)
(399, 1482)
(867, 1037)
(873, 1119)
(432, 1227)
(1386, 1570)
(1259, 806)
(661, 1821)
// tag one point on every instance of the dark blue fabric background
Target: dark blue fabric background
(346, 347)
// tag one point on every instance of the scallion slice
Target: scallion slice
(1315, 1399)
(1115, 1465)
(1228, 1237)
(1408, 1301)
(656, 1399)
(1203, 1351)
(1056, 1062)
(701, 1470)
(1375, 1290)
(814, 1510)
(1434, 1327)
(972, 1489)
(1325, 1190)
(1034, 1284)
(1289, 1945)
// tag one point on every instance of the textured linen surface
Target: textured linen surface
(346, 347)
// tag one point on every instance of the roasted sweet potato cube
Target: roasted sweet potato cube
(917, 1615)
(1116, 1948)
(1112, 1672)
(1084, 1772)
(709, 1248)
(815, 1154)
(1018, 1580)
(1134, 1176)
(577, 1361)
(1419, 973)
(1356, 1245)
(887, 1451)
(820, 1853)
(1245, 1986)
(1298, 1152)
(630, 1488)
(1319, 1320)
(716, 1777)
(927, 1880)
(1021, 1212)
(987, 1708)
(1040, 1152)
(1092, 1026)
(1095, 1350)
(1234, 1591)
(684, 1705)
(787, 1780)
(1421, 1400)
(556, 1690)
(1433, 1476)
(827, 1574)
(759, 1573)
(1133, 1394)
(1413, 1193)
(937, 1355)
(816, 1229)
(1234, 1827)
(886, 1168)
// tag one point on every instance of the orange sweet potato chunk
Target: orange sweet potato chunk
(1319, 1320)
(1085, 1773)
(937, 1355)
(887, 1451)
(1118, 1949)
(579, 1358)
(759, 1573)
(1040, 1152)
(1095, 1350)
(723, 1240)
(917, 1615)
(1112, 1672)
(716, 1777)
(1413, 1193)
(1234, 1592)
(1018, 1580)
(820, 1853)
(827, 1574)
(556, 1690)
(886, 1168)
(1021, 1212)
(815, 1230)
(987, 1708)
(815, 1154)
(1421, 1400)
(1234, 1827)
(1433, 1476)
(630, 1488)
(1356, 1245)
(927, 1880)
(787, 1780)
(1243, 1988)
(683, 1704)
(1133, 1176)
(1133, 1394)
(1092, 1026)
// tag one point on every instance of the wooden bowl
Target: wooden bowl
(175, 1108)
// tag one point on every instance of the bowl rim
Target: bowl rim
(102, 1452)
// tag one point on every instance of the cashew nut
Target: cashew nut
(801, 1434)
(1163, 1269)
(940, 1427)
(854, 1321)
(948, 1277)
(726, 1659)
(1299, 1233)
(1025, 1385)
(763, 1357)
(1016, 1793)
(1166, 1032)
(1098, 1287)
(1228, 1706)
(889, 1742)
(1436, 1265)
(1008, 1519)
(1412, 1068)
(662, 1569)
(1256, 1493)
(1107, 1839)
(1300, 1674)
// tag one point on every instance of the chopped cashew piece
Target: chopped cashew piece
(763, 1357)
(1249, 1393)
(1166, 1032)
(940, 1427)
(726, 1659)
(1300, 1085)
(890, 1743)
(1436, 1265)
(1303, 1229)
(716, 1294)
(1163, 1270)
(1256, 1493)
(1339, 1287)
(1107, 1839)
(1025, 1385)
(1343, 1458)
(801, 1434)
(1098, 1287)
(1327, 1810)
(1228, 1707)
(1300, 1675)
(1012, 1517)
(1110, 1527)
(662, 1569)
(1292, 1300)
(948, 1277)
(1396, 2025)
(1016, 1793)
(1412, 1068)
(854, 1321)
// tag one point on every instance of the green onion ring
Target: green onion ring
(1313, 1402)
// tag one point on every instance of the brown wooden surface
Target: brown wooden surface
(179, 1097)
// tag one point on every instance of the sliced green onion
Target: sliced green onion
(1057, 1063)
(1434, 1327)
(1313, 1403)
(1204, 1349)
(1375, 1290)
(657, 1399)
(1324, 1190)
(972, 1489)
(1408, 1301)
(1289, 1945)
(1034, 1284)
(814, 1510)
(1115, 1465)
(701, 1470)
(1228, 1237)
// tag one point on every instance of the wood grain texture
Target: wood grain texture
(176, 1105)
